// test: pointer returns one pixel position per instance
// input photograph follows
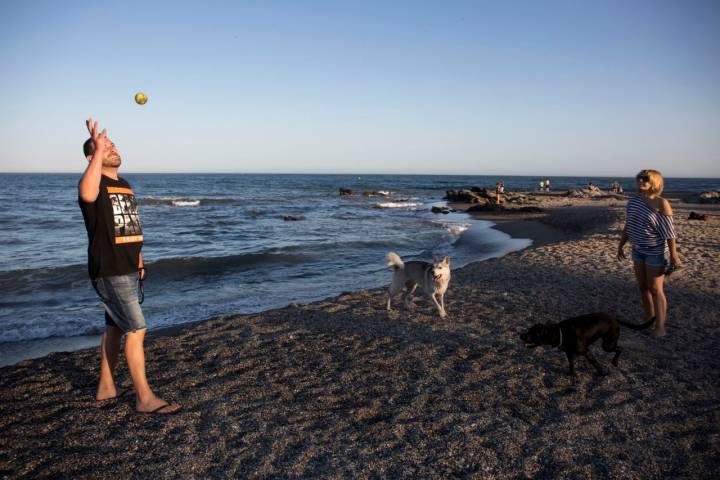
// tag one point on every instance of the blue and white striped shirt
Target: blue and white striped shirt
(648, 229)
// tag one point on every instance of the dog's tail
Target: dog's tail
(635, 326)
(394, 260)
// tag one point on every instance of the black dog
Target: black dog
(575, 335)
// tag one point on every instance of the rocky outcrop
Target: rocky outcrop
(704, 197)
(293, 218)
(443, 210)
(474, 195)
(484, 196)
(518, 198)
(585, 193)
(486, 207)
(345, 191)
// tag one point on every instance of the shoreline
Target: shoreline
(28, 350)
(341, 388)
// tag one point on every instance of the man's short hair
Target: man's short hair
(89, 147)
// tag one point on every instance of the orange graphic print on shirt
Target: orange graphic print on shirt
(125, 215)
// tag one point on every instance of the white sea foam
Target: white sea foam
(186, 203)
(457, 229)
(398, 205)
(454, 228)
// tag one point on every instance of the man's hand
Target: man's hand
(89, 186)
(99, 137)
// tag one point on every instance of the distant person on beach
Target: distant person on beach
(649, 227)
(115, 265)
(542, 185)
(547, 184)
(499, 190)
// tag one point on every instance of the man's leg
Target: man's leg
(109, 350)
(146, 401)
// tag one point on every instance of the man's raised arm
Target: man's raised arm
(89, 186)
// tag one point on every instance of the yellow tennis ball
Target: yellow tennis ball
(141, 98)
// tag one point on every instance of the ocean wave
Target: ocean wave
(19, 332)
(48, 279)
(407, 205)
(191, 266)
(186, 203)
(454, 228)
(27, 281)
(189, 202)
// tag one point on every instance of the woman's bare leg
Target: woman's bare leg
(656, 278)
(645, 293)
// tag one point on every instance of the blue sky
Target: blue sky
(537, 88)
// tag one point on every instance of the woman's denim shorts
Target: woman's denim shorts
(652, 260)
(119, 296)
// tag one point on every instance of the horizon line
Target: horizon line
(352, 174)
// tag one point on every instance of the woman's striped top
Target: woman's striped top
(648, 229)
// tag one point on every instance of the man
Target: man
(115, 264)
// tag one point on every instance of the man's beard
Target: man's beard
(112, 161)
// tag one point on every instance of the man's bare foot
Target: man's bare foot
(157, 405)
(658, 332)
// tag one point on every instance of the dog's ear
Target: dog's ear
(446, 261)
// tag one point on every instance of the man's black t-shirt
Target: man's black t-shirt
(113, 228)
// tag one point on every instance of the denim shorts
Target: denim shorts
(652, 260)
(119, 296)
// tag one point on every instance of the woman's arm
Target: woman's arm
(623, 241)
(670, 233)
(674, 257)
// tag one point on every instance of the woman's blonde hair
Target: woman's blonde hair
(657, 183)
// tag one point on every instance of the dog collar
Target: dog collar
(560, 330)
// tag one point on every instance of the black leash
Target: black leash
(141, 286)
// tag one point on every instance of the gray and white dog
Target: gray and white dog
(433, 279)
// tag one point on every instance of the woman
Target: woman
(649, 227)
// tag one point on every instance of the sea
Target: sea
(220, 244)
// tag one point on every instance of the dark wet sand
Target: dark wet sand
(340, 389)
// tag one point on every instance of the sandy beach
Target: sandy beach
(341, 389)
